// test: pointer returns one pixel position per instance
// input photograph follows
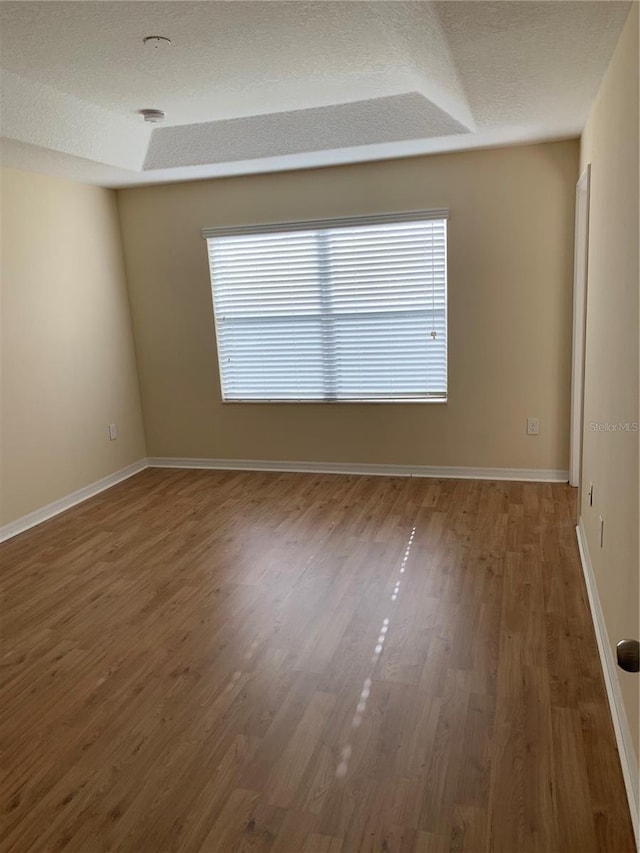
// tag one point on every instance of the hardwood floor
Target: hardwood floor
(225, 661)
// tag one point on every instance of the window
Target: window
(340, 310)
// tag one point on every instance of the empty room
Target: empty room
(319, 443)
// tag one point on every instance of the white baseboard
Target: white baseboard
(536, 475)
(55, 508)
(620, 722)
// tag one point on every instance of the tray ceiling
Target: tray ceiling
(257, 86)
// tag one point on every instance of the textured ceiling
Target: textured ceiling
(250, 86)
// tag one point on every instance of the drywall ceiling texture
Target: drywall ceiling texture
(255, 86)
(389, 119)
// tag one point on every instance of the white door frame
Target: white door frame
(580, 275)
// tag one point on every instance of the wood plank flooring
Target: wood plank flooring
(292, 663)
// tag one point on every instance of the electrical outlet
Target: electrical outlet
(590, 493)
(601, 531)
(533, 426)
(113, 432)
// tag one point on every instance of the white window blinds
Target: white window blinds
(333, 310)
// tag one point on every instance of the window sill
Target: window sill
(377, 401)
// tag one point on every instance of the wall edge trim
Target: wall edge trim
(626, 751)
(38, 516)
(536, 475)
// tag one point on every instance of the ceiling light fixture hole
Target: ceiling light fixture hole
(153, 116)
(156, 42)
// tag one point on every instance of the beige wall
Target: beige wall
(68, 364)
(610, 459)
(510, 282)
